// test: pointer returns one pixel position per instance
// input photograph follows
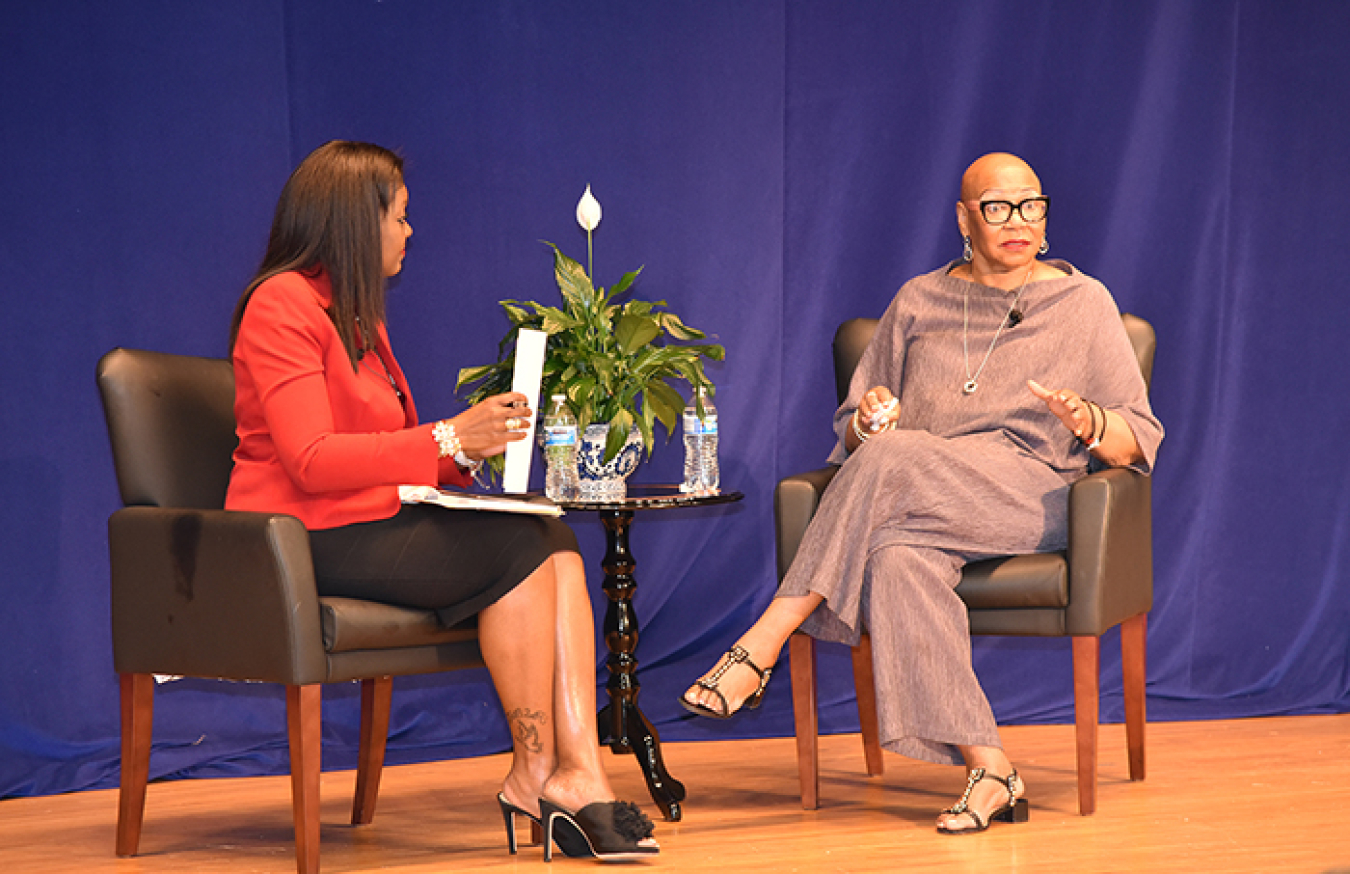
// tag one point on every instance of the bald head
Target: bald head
(998, 171)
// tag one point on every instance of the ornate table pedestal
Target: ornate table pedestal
(621, 722)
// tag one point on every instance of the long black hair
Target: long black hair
(328, 217)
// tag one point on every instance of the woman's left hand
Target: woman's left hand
(485, 428)
(1067, 406)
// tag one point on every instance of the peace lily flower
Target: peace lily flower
(588, 211)
(588, 216)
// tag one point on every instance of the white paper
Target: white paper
(452, 500)
(529, 371)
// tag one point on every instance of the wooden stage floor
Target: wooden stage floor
(1257, 795)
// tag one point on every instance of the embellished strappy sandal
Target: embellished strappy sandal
(1016, 810)
(736, 656)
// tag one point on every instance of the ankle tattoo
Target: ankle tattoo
(526, 728)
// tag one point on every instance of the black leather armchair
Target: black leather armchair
(1103, 579)
(205, 592)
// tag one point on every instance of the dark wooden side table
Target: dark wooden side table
(621, 722)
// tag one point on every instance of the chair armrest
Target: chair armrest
(794, 504)
(1110, 550)
(214, 593)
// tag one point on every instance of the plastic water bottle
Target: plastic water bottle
(560, 452)
(701, 474)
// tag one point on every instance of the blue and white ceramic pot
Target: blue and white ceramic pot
(601, 482)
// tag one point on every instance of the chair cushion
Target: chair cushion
(350, 624)
(1019, 581)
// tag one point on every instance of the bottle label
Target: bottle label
(694, 426)
(560, 435)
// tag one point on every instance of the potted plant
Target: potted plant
(616, 358)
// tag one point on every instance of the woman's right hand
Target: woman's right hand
(485, 428)
(878, 410)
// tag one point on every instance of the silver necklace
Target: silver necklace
(973, 380)
(366, 346)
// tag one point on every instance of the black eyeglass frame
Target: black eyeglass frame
(1015, 207)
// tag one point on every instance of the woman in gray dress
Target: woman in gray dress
(990, 386)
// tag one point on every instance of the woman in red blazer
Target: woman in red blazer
(328, 432)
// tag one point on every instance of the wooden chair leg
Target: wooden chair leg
(1086, 695)
(138, 712)
(802, 665)
(1133, 649)
(865, 687)
(303, 714)
(376, 697)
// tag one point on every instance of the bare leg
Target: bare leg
(764, 641)
(987, 796)
(515, 635)
(579, 778)
(548, 691)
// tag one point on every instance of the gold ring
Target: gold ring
(512, 423)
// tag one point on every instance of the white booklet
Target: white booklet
(452, 500)
(527, 374)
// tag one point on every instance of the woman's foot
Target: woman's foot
(737, 681)
(988, 797)
(573, 791)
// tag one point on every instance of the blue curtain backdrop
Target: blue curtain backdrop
(777, 166)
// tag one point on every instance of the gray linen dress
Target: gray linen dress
(963, 476)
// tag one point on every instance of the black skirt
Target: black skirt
(455, 562)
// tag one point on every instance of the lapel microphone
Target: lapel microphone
(1014, 318)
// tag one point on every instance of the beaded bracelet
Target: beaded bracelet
(858, 432)
(447, 443)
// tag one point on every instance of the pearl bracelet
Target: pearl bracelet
(447, 443)
(858, 432)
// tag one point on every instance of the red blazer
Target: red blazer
(317, 440)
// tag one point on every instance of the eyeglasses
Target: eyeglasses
(1032, 210)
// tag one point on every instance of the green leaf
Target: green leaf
(556, 321)
(473, 374)
(619, 426)
(644, 424)
(518, 314)
(622, 285)
(666, 402)
(604, 374)
(678, 329)
(634, 331)
(573, 283)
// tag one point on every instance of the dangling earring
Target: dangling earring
(966, 254)
(1045, 245)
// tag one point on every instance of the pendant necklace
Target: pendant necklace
(972, 380)
(367, 347)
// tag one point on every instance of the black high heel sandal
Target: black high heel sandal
(509, 813)
(736, 656)
(1016, 810)
(608, 830)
